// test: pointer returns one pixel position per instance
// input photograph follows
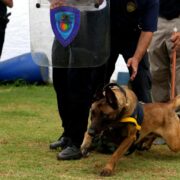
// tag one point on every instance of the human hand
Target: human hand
(133, 64)
(175, 38)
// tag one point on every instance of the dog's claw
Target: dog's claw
(106, 172)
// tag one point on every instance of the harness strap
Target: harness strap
(138, 113)
(131, 120)
(138, 127)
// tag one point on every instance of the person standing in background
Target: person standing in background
(160, 51)
(4, 20)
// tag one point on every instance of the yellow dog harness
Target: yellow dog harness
(131, 120)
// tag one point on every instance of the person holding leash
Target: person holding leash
(4, 20)
(175, 38)
(161, 51)
(132, 25)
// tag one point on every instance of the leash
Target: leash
(173, 71)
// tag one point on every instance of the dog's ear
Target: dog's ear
(111, 98)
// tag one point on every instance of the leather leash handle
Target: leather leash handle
(173, 71)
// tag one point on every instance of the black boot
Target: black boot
(62, 142)
(69, 153)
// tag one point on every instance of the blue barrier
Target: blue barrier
(23, 67)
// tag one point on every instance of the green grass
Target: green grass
(29, 121)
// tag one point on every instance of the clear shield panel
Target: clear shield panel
(89, 47)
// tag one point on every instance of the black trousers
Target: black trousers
(74, 88)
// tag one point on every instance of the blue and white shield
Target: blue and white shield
(65, 22)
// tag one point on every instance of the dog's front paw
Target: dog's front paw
(107, 171)
(86, 144)
(85, 152)
(85, 149)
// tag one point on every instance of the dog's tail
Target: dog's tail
(176, 103)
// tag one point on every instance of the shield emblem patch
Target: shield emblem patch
(65, 22)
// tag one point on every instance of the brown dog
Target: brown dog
(112, 107)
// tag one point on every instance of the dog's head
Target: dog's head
(110, 104)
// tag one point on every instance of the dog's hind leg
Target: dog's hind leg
(123, 147)
(172, 135)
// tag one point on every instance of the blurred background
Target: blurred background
(17, 39)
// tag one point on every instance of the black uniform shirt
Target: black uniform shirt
(127, 15)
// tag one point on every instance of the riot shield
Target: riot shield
(86, 46)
